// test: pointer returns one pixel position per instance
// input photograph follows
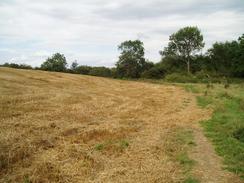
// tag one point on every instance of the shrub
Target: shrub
(100, 71)
(17, 66)
(181, 78)
(153, 73)
(83, 69)
(239, 134)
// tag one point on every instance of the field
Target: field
(58, 127)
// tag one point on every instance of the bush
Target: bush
(100, 71)
(203, 76)
(239, 134)
(82, 69)
(153, 73)
(181, 78)
(17, 66)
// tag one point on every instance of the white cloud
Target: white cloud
(89, 31)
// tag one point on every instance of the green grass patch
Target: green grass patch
(181, 141)
(226, 127)
(191, 88)
(124, 144)
(99, 147)
(204, 101)
(191, 180)
(115, 144)
(185, 161)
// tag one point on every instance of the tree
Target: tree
(56, 63)
(238, 66)
(185, 43)
(131, 60)
(227, 58)
(74, 66)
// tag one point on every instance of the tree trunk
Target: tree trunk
(188, 66)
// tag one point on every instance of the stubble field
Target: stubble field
(70, 128)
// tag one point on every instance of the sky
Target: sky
(90, 31)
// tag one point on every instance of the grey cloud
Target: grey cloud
(153, 9)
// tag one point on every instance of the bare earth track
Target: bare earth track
(209, 168)
(69, 128)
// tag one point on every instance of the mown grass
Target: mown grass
(191, 180)
(226, 127)
(120, 145)
(181, 143)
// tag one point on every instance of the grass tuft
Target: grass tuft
(191, 180)
(99, 147)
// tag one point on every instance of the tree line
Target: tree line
(182, 58)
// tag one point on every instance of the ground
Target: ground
(58, 127)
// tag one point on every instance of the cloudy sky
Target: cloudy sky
(89, 31)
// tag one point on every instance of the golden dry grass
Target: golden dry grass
(59, 127)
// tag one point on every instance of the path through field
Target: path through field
(70, 128)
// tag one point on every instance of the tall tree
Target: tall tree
(227, 58)
(131, 60)
(56, 63)
(185, 43)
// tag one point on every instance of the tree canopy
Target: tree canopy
(131, 60)
(56, 63)
(184, 43)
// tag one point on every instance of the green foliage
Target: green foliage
(56, 63)
(181, 78)
(83, 69)
(100, 71)
(222, 62)
(184, 43)
(239, 134)
(227, 58)
(74, 66)
(16, 66)
(155, 72)
(131, 60)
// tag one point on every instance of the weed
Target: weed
(99, 147)
(124, 144)
(191, 180)
(27, 179)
